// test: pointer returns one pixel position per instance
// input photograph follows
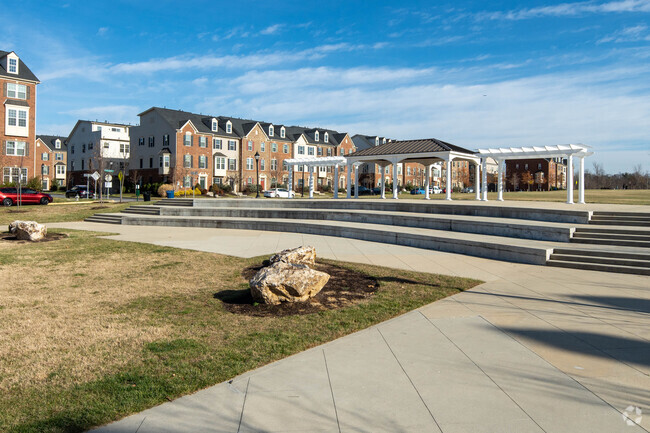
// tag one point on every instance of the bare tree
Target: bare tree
(124, 166)
(514, 180)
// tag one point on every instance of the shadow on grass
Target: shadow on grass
(405, 281)
(238, 297)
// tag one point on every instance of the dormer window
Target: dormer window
(376, 141)
(326, 138)
(13, 66)
(215, 125)
(271, 131)
(229, 127)
(384, 140)
(282, 132)
(316, 136)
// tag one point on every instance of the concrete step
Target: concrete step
(609, 241)
(621, 269)
(142, 210)
(637, 255)
(188, 202)
(603, 260)
(619, 222)
(630, 231)
(633, 215)
(614, 236)
(493, 247)
(105, 218)
(507, 227)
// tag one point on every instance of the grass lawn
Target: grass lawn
(93, 329)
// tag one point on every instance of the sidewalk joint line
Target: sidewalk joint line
(241, 416)
(140, 425)
(329, 380)
(409, 378)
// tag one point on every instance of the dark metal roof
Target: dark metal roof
(428, 145)
(50, 139)
(24, 73)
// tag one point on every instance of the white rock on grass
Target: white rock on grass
(286, 282)
(300, 255)
(28, 230)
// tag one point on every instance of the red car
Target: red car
(9, 196)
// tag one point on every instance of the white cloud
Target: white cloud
(271, 30)
(629, 34)
(570, 9)
(102, 31)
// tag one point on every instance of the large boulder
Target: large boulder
(300, 256)
(28, 230)
(286, 282)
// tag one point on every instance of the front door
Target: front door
(263, 183)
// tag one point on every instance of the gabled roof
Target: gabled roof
(49, 140)
(411, 146)
(367, 141)
(24, 73)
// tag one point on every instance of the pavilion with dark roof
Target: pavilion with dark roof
(425, 151)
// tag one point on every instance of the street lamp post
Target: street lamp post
(257, 167)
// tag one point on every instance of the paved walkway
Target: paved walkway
(534, 349)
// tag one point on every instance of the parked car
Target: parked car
(9, 196)
(279, 192)
(363, 190)
(435, 190)
(79, 191)
(376, 190)
(418, 190)
(468, 189)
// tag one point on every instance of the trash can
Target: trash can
(170, 194)
(146, 196)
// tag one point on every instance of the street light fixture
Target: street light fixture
(257, 167)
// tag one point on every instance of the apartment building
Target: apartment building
(543, 174)
(97, 146)
(51, 160)
(18, 110)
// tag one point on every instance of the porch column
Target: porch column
(311, 182)
(581, 192)
(448, 183)
(569, 180)
(500, 181)
(356, 181)
(383, 182)
(395, 186)
(336, 181)
(349, 179)
(484, 190)
(477, 180)
(290, 185)
(428, 181)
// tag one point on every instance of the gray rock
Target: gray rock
(28, 230)
(286, 282)
(301, 255)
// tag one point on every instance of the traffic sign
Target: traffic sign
(109, 171)
(96, 176)
(120, 176)
(88, 175)
(108, 177)
(108, 184)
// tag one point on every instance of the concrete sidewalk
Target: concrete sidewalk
(534, 349)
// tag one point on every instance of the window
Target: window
(166, 140)
(326, 138)
(285, 148)
(215, 125)
(232, 164)
(262, 147)
(17, 117)
(271, 131)
(316, 135)
(203, 142)
(203, 161)
(539, 166)
(220, 163)
(166, 161)
(301, 150)
(282, 133)
(262, 164)
(408, 171)
(525, 166)
(16, 91)
(274, 147)
(152, 141)
(329, 151)
(90, 146)
(187, 182)
(141, 163)
(72, 150)
(82, 164)
(249, 180)
(150, 163)
(229, 127)
(125, 148)
(45, 156)
(13, 66)
(342, 152)
(160, 162)
(250, 145)
(107, 145)
(274, 164)
(216, 144)
(16, 148)
(310, 151)
(216, 181)
(249, 163)
(376, 141)
(72, 165)
(57, 144)
(141, 141)
(320, 151)
(285, 166)
(45, 170)
(187, 161)
(58, 156)
(232, 145)
(113, 129)
(517, 166)
(15, 174)
(187, 139)
(60, 169)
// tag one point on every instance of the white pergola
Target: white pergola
(426, 152)
(568, 151)
(311, 163)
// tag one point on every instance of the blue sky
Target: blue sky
(476, 74)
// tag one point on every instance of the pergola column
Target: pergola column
(290, 186)
(581, 192)
(485, 182)
(477, 180)
(500, 180)
(448, 183)
(336, 181)
(383, 181)
(311, 182)
(356, 181)
(426, 186)
(349, 179)
(395, 187)
(569, 179)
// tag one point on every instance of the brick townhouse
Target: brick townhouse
(51, 160)
(541, 174)
(18, 110)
